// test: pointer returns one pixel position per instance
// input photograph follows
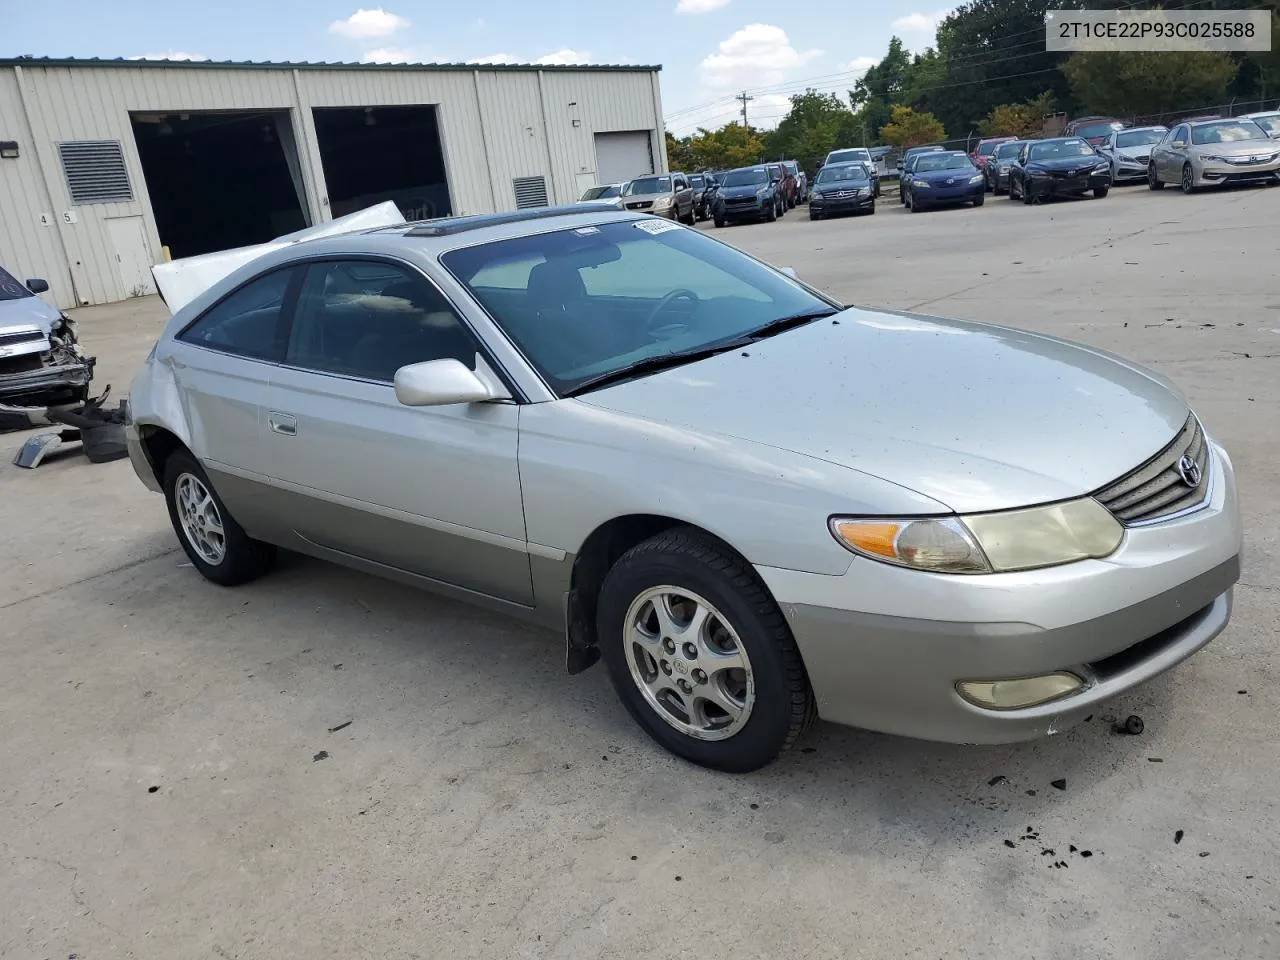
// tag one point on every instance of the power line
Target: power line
(744, 100)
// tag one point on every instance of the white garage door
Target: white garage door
(622, 156)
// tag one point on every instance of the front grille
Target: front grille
(740, 201)
(24, 336)
(1157, 489)
(642, 205)
(27, 363)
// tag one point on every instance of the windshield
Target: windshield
(588, 301)
(1098, 129)
(697, 181)
(987, 149)
(649, 185)
(834, 174)
(946, 161)
(845, 156)
(11, 289)
(1007, 151)
(744, 178)
(1140, 138)
(1228, 131)
(602, 193)
(1269, 123)
(1059, 150)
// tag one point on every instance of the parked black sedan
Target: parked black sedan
(704, 188)
(842, 188)
(1059, 167)
(997, 169)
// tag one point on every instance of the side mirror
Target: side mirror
(38, 286)
(1179, 143)
(438, 383)
(789, 271)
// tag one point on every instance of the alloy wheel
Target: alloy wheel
(201, 522)
(689, 663)
(1188, 179)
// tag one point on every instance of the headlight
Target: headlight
(1206, 156)
(1105, 165)
(987, 542)
(662, 202)
(920, 183)
(978, 179)
(1003, 168)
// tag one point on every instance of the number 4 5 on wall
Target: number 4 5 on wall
(68, 216)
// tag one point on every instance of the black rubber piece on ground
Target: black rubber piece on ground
(784, 706)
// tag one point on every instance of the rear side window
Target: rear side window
(250, 322)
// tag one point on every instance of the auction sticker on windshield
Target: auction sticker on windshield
(656, 226)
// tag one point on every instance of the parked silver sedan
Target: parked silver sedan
(1202, 153)
(756, 505)
(1129, 151)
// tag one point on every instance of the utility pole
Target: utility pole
(744, 99)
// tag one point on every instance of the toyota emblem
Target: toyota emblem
(1189, 471)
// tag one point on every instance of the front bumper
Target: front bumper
(874, 662)
(1212, 173)
(45, 380)
(931, 196)
(755, 210)
(1060, 186)
(1126, 169)
(827, 204)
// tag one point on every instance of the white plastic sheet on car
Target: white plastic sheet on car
(181, 281)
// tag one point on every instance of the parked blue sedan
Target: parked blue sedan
(943, 178)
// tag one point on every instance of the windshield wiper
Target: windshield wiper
(663, 361)
(774, 327)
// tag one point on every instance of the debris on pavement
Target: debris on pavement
(98, 430)
(1132, 726)
(341, 726)
(1058, 784)
(997, 780)
(322, 755)
(1177, 836)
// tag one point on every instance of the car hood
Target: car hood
(974, 416)
(1238, 148)
(1142, 150)
(26, 313)
(749, 190)
(961, 175)
(1066, 163)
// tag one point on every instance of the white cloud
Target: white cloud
(496, 58)
(171, 55)
(858, 65)
(368, 24)
(700, 6)
(564, 57)
(391, 55)
(920, 22)
(758, 55)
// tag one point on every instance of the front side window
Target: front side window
(367, 319)
(601, 298)
(250, 322)
(1181, 134)
(11, 289)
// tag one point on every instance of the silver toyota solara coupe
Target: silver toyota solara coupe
(758, 506)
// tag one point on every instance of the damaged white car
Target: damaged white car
(41, 364)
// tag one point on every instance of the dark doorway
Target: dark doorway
(374, 154)
(220, 180)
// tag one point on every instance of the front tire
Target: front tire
(1153, 182)
(1188, 179)
(700, 654)
(772, 215)
(980, 200)
(1100, 192)
(718, 221)
(217, 546)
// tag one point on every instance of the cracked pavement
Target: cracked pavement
(483, 804)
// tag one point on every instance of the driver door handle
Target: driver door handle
(283, 423)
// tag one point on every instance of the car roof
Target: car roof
(951, 153)
(1148, 126)
(500, 226)
(1258, 113)
(1057, 139)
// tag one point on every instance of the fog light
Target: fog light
(1015, 694)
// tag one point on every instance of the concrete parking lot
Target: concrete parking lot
(171, 787)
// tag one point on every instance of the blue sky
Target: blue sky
(709, 49)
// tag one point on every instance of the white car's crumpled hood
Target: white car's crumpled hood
(28, 313)
(975, 416)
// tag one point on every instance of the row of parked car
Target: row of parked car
(1096, 154)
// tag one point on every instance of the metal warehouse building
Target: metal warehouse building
(105, 163)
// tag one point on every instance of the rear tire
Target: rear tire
(217, 546)
(769, 699)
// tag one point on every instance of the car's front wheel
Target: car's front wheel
(1153, 181)
(1188, 179)
(700, 654)
(217, 546)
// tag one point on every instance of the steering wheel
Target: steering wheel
(670, 328)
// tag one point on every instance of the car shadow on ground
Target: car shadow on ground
(395, 644)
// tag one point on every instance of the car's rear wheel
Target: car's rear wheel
(700, 654)
(1188, 179)
(217, 546)
(1153, 182)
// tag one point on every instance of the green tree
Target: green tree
(1018, 119)
(679, 156)
(907, 128)
(733, 145)
(1142, 83)
(875, 93)
(816, 124)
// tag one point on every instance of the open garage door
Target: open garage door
(219, 180)
(623, 156)
(374, 154)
